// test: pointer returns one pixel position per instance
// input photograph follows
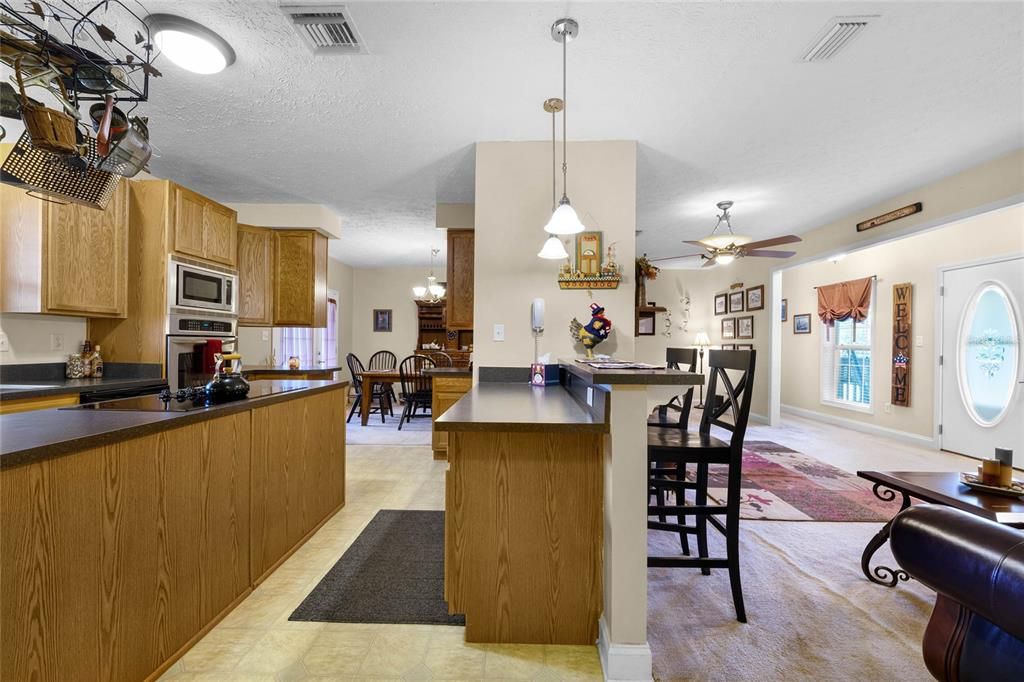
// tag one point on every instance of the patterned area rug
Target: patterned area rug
(780, 484)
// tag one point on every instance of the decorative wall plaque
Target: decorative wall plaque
(902, 343)
(889, 217)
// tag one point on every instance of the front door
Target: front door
(982, 402)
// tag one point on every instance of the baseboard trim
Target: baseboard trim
(623, 662)
(758, 419)
(853, 425)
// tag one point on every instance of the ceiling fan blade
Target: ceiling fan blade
(693, 243)
(685, 255)
(774, 241)
(709, 262)
(764, 253)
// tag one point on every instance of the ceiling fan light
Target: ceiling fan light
(721, 241)
(564, 220)
(553, 249)
(724, 258)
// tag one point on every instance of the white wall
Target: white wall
(996, 183)
(385, 288)
(513, 202)
(28, 337)
(915, 259)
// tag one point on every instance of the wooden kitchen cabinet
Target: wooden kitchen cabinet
(447, 389)
(255, 281)
(202, 228)
(63, 259)
(460, 279)
(300, 278)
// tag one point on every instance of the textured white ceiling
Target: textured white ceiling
(715, 94)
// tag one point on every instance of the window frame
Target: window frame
(320, 339)
(830, 345)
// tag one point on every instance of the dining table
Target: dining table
(385, 377)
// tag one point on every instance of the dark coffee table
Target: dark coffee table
(935, 487)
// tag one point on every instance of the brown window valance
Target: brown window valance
(843, 300)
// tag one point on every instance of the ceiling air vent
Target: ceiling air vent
(836, 35)
(326, 29)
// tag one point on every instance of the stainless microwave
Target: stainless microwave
(193, 286)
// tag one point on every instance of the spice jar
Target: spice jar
(74, 369)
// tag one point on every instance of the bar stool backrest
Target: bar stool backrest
(736, 400)
(686, 360)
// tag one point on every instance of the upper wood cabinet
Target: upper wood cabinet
(255, 283)
(300, 278)
(201, 227)
(460, 279)
(63, 259)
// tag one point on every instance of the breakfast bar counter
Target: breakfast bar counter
(546, 509)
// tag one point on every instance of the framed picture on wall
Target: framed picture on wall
(588, 253)
(728, 346)
(745, 327)
(802, 324)
(736, 302)
(729, 328)
(382, 320)
(744, 346)
(721, 303)
(785, 309)
(755, 298)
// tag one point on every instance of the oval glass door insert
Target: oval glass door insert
(987, 354)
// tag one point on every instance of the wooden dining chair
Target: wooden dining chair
(355, 368)
(441, 359)
(385, 360)
(417, 387)
(678, 448)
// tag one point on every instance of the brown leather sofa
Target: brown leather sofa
(976, 631)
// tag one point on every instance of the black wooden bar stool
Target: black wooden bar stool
(672, 449)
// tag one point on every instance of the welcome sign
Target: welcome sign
(902, 343)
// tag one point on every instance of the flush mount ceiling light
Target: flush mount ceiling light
(190, 45)
(564, 219)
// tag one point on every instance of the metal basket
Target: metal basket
(67, 178)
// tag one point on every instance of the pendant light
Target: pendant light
(564, 219)
(553, 248)
(435, 290)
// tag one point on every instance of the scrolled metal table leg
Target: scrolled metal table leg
(883, 575)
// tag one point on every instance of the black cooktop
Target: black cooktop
(185, 400)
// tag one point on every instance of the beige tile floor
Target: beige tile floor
(258, 642)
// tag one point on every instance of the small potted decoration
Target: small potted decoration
(645, 270)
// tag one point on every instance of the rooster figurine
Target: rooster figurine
(593, 333)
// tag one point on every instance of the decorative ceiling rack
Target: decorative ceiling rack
(70, 50)
(56, 34)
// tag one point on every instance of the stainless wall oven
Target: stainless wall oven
(197, 287)
(192, 342)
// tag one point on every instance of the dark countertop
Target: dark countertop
(41, 434)
(284, 371)
(449, 371)
(42, 389)
(635, 377)
(518, 407)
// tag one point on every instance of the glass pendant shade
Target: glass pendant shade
(553, 249)
(419, 292)
(724, 258)
(436, 290)
(721, 241)
(564, 220)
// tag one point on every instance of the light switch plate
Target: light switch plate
(918, 341)
(499, 332)
(5, 345)
(265, 335)
(56, 342)
(590, 396)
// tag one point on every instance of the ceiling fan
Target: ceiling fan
(726, 247)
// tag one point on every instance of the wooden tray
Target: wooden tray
(1016, 489)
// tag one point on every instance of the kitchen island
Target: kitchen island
(128, 535)
(546, 511)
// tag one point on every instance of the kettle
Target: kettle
(227, 386)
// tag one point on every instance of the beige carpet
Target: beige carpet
(812, 613)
